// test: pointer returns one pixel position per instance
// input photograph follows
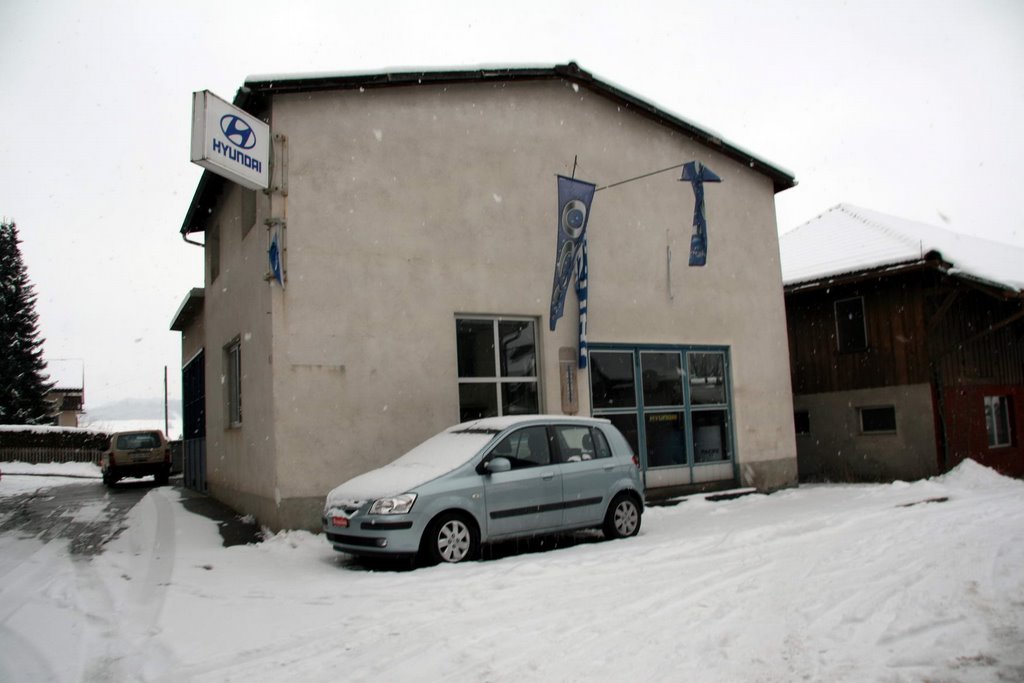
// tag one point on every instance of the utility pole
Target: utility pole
(167, 422)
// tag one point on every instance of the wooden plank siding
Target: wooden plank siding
(965, 353)
(923, 326)
(896, 335)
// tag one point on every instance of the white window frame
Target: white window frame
(498, 380)
(996, 406)
(868, 432)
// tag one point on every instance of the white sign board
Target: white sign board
(230, 142)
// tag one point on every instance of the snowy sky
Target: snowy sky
(911, 108)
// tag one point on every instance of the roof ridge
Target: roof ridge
(872, 221)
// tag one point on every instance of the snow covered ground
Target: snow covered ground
(915, 581)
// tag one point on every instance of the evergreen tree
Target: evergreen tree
(23, 384)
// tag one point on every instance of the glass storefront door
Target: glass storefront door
(672, 404)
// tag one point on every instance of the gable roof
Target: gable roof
(257, 89)
(847, 240)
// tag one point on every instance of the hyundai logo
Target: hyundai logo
(237, 131)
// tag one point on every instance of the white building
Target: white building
(418, 216)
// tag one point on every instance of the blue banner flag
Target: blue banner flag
(574, 198)
(274, 256)
(581, 295)
(698, 174)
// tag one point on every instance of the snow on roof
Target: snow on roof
(67, 373)
(849, 239)
(48, 429)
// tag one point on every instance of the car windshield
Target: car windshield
(432, 458)
(127, 442)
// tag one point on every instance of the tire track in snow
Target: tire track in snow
(128, 638)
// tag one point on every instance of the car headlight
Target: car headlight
(396, 505)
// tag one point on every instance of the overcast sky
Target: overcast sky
(909, 108)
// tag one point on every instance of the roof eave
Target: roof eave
(189, 309)
(994, 289)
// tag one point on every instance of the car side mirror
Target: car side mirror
(495, 465)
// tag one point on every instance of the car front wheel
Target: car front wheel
(452, 538)
(623, 517)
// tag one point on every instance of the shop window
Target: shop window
(851, 331)
(682, 417)
(233, 379)
(662, 378)
(611, 380)
(880, 420)
(802, 421)
(497, 365)
(707, 378)
(710, 436)
(998, 418)
(666, 439)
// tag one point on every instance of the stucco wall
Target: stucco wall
(241, 463)
(835, 449)
(409, 206)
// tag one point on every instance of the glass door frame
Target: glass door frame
(639, 411)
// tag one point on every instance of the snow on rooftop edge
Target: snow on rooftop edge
(299, 76)
(849, 239)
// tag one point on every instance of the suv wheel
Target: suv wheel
(623, 517)
(109, 479)
(452, 538)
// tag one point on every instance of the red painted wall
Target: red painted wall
(964, 409)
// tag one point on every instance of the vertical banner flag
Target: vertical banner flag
(274, 255)
(581, 296)
(574, 199)
(698, 174)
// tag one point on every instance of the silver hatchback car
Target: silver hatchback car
(489, 480)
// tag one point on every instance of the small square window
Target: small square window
(851, 330)
(802, 421)
(998, 418)
(881, 420)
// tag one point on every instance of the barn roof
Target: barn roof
(848, 240)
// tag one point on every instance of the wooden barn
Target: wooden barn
(906, 347)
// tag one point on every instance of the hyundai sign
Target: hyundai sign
(230, 142)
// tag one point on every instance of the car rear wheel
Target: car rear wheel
(623, 517)
(452, 538)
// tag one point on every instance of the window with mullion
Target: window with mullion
(497, 365)
(997, 421)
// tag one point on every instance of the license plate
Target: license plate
(140, 458)
(339, 521)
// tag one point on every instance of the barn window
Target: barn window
(802, 421)
(880, 420)
(997, 420)
(851, 331)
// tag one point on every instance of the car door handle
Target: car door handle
(547, 475)
(609, 468)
